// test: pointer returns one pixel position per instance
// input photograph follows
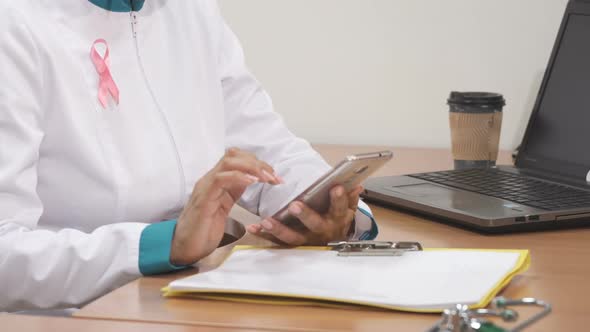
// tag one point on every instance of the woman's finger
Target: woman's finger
(250, 165)
(282, 232)
(226, 181)
(227, 202)
(338, 202)
(311, 219)
(353, 197)
(254, 229)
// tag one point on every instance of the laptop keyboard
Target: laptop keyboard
(513, 187)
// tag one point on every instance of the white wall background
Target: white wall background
(379, 71)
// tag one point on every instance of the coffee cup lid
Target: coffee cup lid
(476, 99)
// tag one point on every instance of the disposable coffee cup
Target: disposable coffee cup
(475, 119)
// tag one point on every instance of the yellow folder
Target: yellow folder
(419, 281)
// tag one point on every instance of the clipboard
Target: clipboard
(382, 274)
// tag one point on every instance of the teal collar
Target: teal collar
(119, 5)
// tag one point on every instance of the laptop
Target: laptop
(548, 186)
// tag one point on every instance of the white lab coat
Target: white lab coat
(79, 183)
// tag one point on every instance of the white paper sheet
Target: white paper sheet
(421, 280)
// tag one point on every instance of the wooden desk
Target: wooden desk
(60, 324)
(559, 273)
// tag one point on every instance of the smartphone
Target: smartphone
(349, 173)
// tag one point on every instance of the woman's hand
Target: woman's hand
(202, 222)
(335, 225)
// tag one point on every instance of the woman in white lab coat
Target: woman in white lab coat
(116, 122)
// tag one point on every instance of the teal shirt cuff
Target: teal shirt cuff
(121, 6)
(154, 248)
(374, 231)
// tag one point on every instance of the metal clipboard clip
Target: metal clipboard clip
(374, 248)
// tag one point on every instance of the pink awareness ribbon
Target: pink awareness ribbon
(106, 84)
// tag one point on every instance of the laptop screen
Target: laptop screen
(558, 136)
